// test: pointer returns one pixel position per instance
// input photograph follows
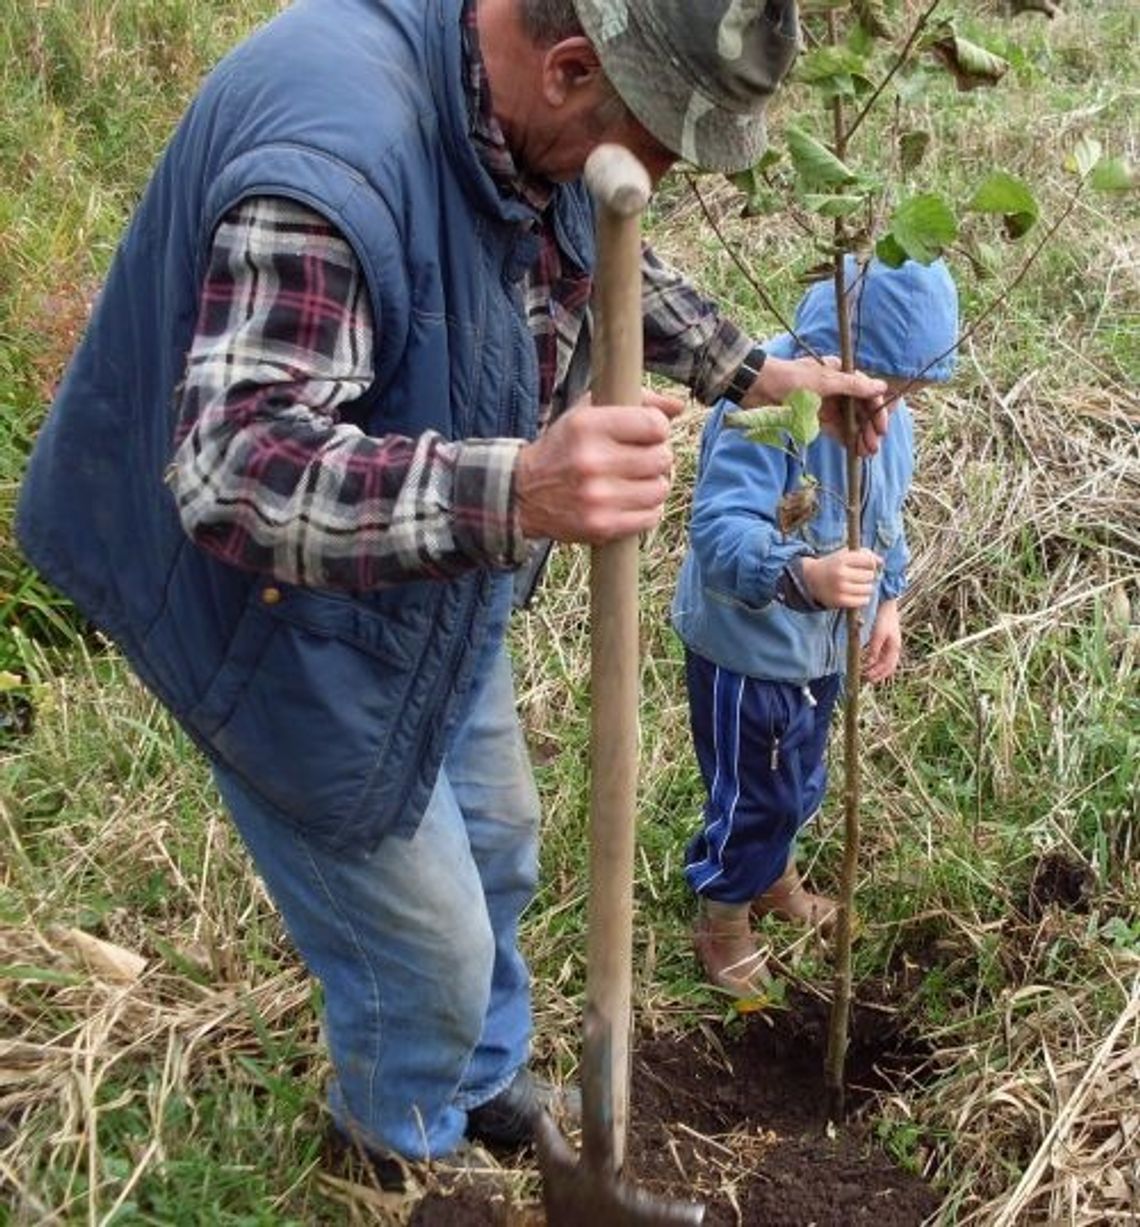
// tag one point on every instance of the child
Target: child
(760, 606)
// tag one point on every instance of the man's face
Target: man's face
(564, 159)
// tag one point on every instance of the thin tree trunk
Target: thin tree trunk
(844, 932)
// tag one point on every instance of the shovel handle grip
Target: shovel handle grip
(621, 188)
(618, 182)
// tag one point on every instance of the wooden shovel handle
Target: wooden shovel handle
(621, 187)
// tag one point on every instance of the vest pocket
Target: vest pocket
(340, 617)
(305, 704)
(320, 615)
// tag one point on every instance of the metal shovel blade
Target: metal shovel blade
(574, 1195)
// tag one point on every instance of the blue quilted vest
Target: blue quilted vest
(335, 708)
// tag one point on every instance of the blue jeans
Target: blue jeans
(427, 996)
(761, 747)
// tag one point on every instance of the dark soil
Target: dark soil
(733, 1116)
(1060, 880)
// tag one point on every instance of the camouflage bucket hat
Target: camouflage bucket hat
(696, 73)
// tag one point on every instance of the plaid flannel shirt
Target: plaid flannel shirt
(269, 478)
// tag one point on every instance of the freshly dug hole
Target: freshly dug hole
(733, 1116)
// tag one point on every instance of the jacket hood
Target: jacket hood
(903, 319)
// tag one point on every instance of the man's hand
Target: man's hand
(844, 579)
(881, 655)
(599, 473)
(779, 376)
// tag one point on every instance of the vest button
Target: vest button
(271, 596)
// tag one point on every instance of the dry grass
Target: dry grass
(1054, 1087)
(157, 1033)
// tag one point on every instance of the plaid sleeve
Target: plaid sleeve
(268, 477)
(686, 337)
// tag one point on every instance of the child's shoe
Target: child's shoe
(727, 949)
(789, 899)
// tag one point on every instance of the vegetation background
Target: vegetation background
(1000, 889)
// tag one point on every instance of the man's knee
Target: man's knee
(463, 957)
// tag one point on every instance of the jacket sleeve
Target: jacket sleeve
(686, 336)
(266, 474)
(734, 531)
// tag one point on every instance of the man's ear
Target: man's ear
(569, 67)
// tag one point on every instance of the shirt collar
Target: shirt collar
(486, 131)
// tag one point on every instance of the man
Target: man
(330, 398)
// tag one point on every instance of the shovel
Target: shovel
(588, 1192)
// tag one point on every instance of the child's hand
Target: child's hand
(881, 655)
(844, 579)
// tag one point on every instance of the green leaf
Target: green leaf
(1106, 174)
(862, 84)
(763, 204)
(836, 71)
(833, 206)
(922, 225)
(840, 87)
(760, 198)
(816, 166)
(187, 967)
(1086, 154)
(37, 975)
(768, 159)
(1001, 192)
(971, 65)
(912, 147)
(866, 185)
(798, 416)
(9, 681)
(1112, 175)
(860, 39)
(1120, 933)
(889, 251)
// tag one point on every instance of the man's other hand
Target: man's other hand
(779, 376)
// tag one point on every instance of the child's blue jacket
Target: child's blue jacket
(726, 607)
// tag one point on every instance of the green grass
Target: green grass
(1012, 732)
(91, 91)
